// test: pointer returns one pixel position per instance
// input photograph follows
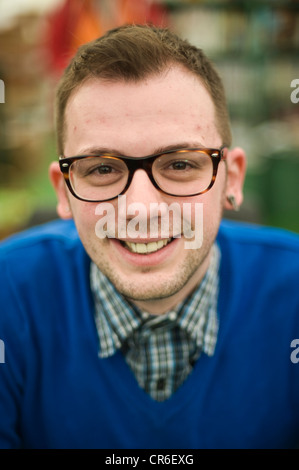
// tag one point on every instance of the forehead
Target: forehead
(133, 116)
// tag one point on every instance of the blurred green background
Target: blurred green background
(254, 44)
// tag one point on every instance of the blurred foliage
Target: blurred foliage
(30, 197)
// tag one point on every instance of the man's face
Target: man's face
(138, 119)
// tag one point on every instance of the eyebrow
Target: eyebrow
(112, 151)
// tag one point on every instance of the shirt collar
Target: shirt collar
(116, 319)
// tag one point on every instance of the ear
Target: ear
(57, 180)
(236, 169)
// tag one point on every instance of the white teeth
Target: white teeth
(143, 248)
(140, 248)
(153, 246)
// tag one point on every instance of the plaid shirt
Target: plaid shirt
(160, 349)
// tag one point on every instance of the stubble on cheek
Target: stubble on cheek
(147, 283)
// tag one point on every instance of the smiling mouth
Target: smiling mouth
(146, 248)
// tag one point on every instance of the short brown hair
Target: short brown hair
(132, 53)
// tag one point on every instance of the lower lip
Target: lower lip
(151, 259)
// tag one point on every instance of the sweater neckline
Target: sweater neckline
(126, 382)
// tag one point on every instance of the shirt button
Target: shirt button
(161, 383)
(172, 316)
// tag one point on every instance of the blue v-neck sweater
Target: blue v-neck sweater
(55, 391)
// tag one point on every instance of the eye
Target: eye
(102, 170)
(180, 165)
(97, 167)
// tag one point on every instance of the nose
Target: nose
(150, 206)
(142, 196)
(141, 190)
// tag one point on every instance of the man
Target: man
(138, 322)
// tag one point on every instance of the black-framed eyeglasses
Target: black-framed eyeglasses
(180, 172)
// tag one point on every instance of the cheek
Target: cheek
(207, 209)
(84, 217)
